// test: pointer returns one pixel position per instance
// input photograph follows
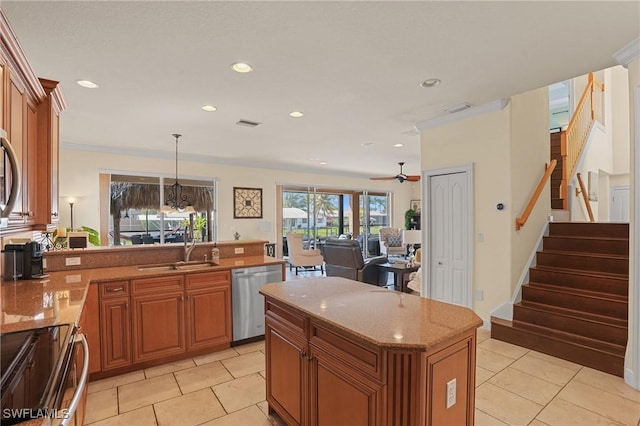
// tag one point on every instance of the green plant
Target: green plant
(407, 218)
(199, 222)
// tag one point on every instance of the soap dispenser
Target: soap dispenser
(215, 254)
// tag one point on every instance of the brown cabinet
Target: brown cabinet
(208, 309)
(319, 371)
(115, 325)
(90, 327)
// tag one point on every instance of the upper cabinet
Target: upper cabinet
(29, 113)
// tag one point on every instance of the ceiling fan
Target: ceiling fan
(400, 176)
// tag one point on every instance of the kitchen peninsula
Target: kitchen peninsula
(343, 352)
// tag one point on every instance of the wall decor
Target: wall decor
(415, 205)
(247, 203)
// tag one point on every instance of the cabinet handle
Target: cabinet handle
(302, 354)
(310, 357)
(115, 289)
(54, 214)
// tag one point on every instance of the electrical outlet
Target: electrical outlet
(239, 250)
(72, 261)
(451, 393)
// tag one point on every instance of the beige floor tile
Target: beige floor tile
(482, 375)
(606, 404)
(248, 416)
(250, 347)
(563, 413)
(492, 361)
(505, 406)
(483, 419)
(203, 376)
(263, 373)
(608, 383)
(558, 361)
(215, 356)
(116, 381)
(241, 393)
(147, 392)
(101, 405)
(537, 422)
(264, 407)
(244, 365)
(544, 369)
(526, 385)
(503, 348)
(169, 368)
(482, 335)
(141, 417)
(190, 409)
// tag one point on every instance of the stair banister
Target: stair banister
(520, 222)
(585, 197)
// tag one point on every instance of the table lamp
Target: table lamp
(411, 237)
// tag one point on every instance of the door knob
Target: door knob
(439, 263)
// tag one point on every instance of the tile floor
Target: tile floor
(514, 386)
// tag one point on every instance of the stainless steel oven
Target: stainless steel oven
(44, 373)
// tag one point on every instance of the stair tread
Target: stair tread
(579, 292)
(587, 237)
(585, 254)
(581, 315)
(609, 275)
(549, 333)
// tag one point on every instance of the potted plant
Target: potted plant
(408, 217)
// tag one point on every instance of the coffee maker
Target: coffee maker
(22, 261)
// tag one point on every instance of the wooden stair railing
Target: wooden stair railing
(589, 109)
(585, 197)
(536, 194)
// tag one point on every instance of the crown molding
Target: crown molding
(628, 54)
(475, 111)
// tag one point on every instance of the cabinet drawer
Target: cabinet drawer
(114, 289)
(208, 279)
(158, 284)
(285, 316)
(359, 357)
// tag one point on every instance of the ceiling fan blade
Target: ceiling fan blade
(413, 178)
(383, 178)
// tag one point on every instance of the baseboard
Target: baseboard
(631, 378)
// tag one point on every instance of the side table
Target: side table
(400, 271)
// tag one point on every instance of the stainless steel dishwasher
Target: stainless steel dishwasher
(248, 304)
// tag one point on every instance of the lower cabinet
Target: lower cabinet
(154, 318)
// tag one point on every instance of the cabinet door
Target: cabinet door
(115, 333)
(287, 372)
(16, 131)
(340, 396)
(208, 317)
(158, 325)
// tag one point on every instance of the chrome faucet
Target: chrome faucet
(188, 249)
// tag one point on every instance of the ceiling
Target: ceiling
(353, 68)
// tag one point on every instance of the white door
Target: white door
(449, 238)
(620, 204)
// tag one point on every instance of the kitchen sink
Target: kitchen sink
(177, 266)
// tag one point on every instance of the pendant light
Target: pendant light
(175, 200)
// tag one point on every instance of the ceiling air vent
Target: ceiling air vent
(248, 123)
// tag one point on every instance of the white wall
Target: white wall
(79, 172)
(617, 89)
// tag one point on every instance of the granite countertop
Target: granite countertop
(59, 297)
(385, 318)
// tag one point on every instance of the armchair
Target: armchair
(344, 259)
(391, 243)
(299, 257)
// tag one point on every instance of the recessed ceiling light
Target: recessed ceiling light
(241, 67)
(323, 163)
(367, 144)
(398, 145)
(88, 84)
(209, 108)
(430, 82)
(296, 114)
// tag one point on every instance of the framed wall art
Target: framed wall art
(247, 203)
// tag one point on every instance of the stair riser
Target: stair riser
(604, 246)
(584, 263)
(609, 363)
(594, 330)
(612, 230)
(592, 305)
(581, 282)
(556, 203)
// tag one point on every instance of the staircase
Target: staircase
(557, 203)
(575, 305)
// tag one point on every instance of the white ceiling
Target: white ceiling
(353, 68)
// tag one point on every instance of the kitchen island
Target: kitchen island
(343, 352)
